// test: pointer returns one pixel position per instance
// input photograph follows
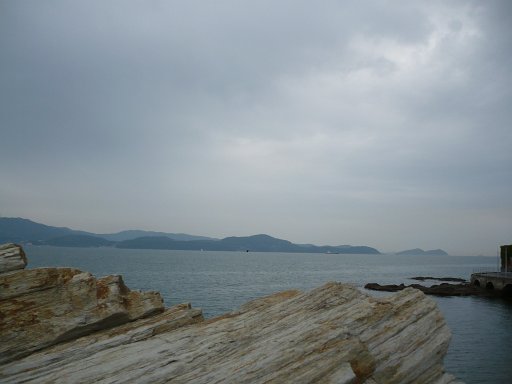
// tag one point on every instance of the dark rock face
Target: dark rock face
(443, 289)
(453, 279)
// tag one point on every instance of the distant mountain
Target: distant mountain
(135, 233)
(20, 230)
(149, 242)
(438, 252)
(419, 251)
(256, 243)
(259, 243)
(80, 241)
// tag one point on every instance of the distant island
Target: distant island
(421, 252)
(19, 230)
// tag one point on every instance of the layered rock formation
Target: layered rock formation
(45, 306)
(332, 334)
(11, 258)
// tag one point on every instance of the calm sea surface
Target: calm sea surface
(219, 282)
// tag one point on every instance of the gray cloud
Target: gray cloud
(346, 122)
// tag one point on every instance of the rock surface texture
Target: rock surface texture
(12, 258)
(332, 334)
(45, 306)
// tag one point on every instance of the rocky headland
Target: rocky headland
(62, 325)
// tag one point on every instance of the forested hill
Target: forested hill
(256, 243)
(19, 230)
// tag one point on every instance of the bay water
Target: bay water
(219, 282)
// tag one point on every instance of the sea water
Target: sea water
(219, 282)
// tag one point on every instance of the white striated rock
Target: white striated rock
(52, 358)
(333, 334)
(42, 307)
(12, 257)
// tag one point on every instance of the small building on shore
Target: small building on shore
(506, 258)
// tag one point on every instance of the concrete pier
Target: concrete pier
(499, 281)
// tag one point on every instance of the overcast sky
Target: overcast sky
(380, 123)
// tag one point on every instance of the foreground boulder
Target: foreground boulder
(45, 306)
(332, 334)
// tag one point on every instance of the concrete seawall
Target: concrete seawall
(499, 281)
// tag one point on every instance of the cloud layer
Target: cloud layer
(361, 122)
